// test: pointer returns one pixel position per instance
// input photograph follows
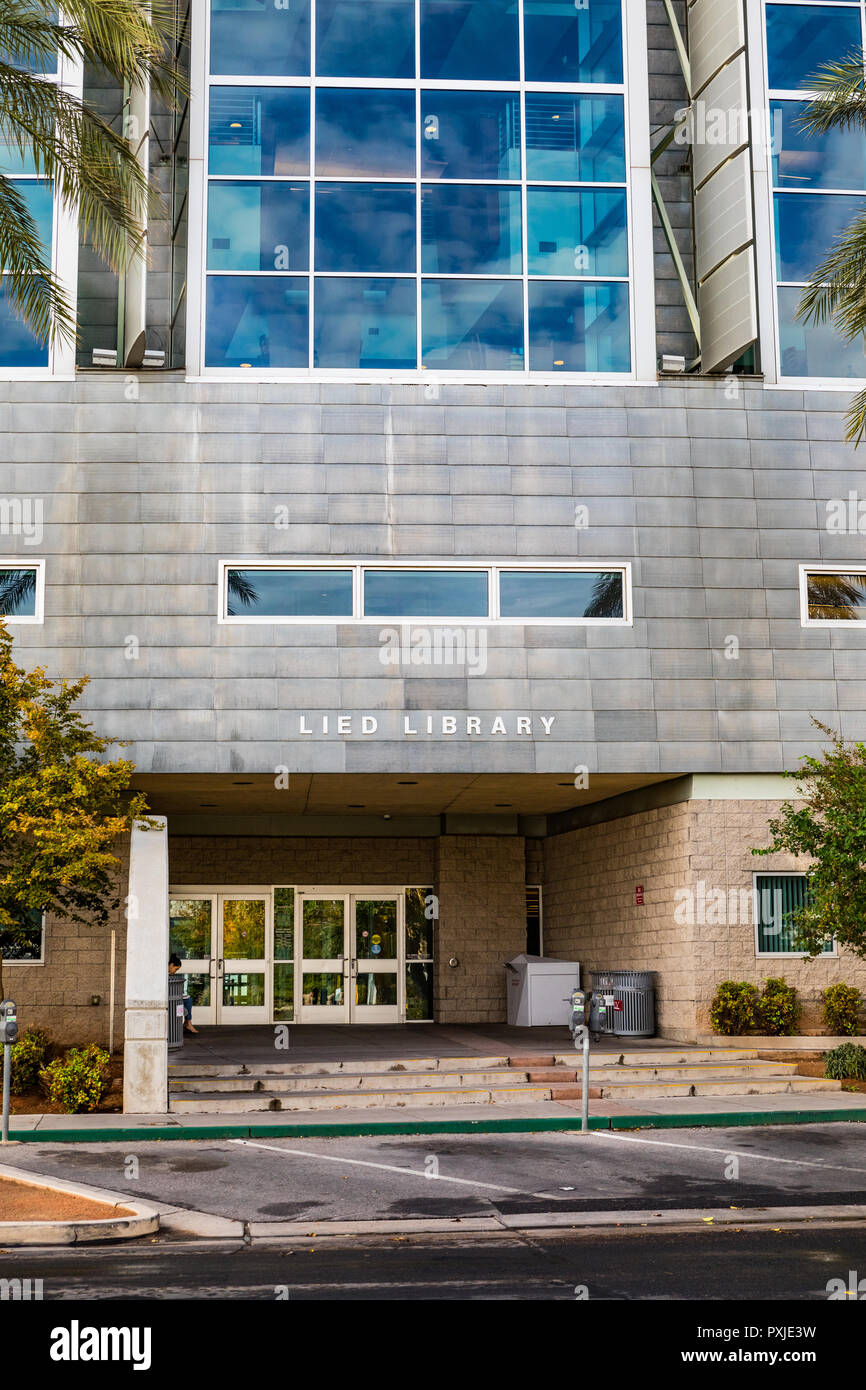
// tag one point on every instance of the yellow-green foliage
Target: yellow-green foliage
(78, 1080)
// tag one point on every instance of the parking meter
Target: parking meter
(577, 1016)
(9, 1021)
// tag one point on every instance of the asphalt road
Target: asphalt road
(789, 1264)
(445, 1175)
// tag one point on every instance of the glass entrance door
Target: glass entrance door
(324, 959)
(244, 930)
(192, 936)
(375, 951)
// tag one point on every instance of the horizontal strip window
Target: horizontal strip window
(777, 900)
(376, 593)
(476, 40)
(21, 586)
(834, 596)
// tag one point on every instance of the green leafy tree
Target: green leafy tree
(830, 827)
(92, 165)
(837, 290)
(63, 806)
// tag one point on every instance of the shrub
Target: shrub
(78, 1080)
(846, 1063)
(841, 1010)
(779, 1008)
(735, 1008)
(28, 1057)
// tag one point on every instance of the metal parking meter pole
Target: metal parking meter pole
(9, 1031)
(584, 1088)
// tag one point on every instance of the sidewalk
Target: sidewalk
(671, 1113)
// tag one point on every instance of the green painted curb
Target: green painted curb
(719, 1120)
(743, 1117)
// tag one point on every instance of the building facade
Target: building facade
(470, 554)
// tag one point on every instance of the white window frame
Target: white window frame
(839, 568)
(641, 279)
(492, 570)
(782, 955)
(16, 563)
(40, 960)
(64, 248)
(768, 284)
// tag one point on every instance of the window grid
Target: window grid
(525, 278)
(847, 362)
(493, 572)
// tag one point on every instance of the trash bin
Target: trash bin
(634, 1011)
(539, 990)
(630, 997)
(176, 985)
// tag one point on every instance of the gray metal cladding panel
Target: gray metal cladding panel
(710, 500)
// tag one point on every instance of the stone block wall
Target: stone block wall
(723, 834)
(591, 915)
(260, 861)
(482, 923)
(55, 994)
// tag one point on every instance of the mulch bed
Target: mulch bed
(21, 1202)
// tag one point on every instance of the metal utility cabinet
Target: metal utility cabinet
(539, 990)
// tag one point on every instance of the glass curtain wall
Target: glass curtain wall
(417, 184)
(819, 182)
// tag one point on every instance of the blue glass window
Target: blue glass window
(425, 594)
(575, 138)
(462, 40)
(806, 228)
(258, 226)
(578, 327)
(289, 593)
(800, 38)
(577, 231)
(471, 229)
(473, 325)
(365, 38)
(259, 130)
(815, 349)
(18, 594)
(366, 324)
(257, 321)
(253, 38)
(19, 346)
(539, 594)
(563, 44)
(38, 194)
(836, 159)
(363, 132)
(470, 135)
(365, 227)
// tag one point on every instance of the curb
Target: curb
(353, 1129)
(201, 1226)
(143, 1222)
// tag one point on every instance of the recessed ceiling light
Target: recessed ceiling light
(356, 806)
(242, 784)
(503, 804)
(207, 805)
(236, 125)
(407, 784)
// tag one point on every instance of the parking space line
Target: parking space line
(393, 1168)
(729, 1153)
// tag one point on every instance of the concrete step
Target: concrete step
(657, 1056)
(373, 1066)
(717, 1086)
(279, 1085)
(184, 1102)
(692, 1071)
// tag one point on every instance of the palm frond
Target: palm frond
(29, 280)
(15, 587)
(841, 99)
(837, 289)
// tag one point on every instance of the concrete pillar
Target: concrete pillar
(481, 884)
(145, 1063)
